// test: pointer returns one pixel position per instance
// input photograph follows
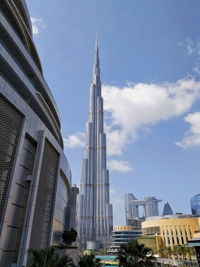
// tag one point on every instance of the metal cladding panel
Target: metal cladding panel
(42, 222)
(60, 209)
(94, 221)
(10, 125)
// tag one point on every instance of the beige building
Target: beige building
(123, 228)
(153, 242)
(174, 229)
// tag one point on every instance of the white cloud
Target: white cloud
(75, 140)
(192, 137)
(190, 45)
(119, 165)
(37, 25)
(193, 47)
(196, 68)
(198, 46)
(116, 139)
(131, 110)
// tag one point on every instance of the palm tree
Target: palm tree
(48, 258)
(168, 252)
(162, 252)
(183, 252)
(190, 251)
(69, 236)
(89, 261)
(176, 251)
(134, 254)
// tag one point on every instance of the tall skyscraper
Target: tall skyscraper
(195, 204)
(34, 173)
(94, 220)
(149, 204)
(167, 210)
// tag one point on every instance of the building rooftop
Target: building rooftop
(198, 195)
(175, 216)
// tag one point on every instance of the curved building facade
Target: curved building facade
(174, 229)
(34, 172)
(122, 234)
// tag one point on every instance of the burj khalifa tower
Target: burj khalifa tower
(94, 215)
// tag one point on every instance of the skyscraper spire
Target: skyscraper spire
(94, 218)
(96, 68)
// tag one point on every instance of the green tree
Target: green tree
(48, 258)
(190, 251)
(176, 251)
(168, 252)
(89, 261)
(134, 254)
(162, 252)
(69, 236)
(183, 252)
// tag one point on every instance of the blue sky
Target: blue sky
(150, 70)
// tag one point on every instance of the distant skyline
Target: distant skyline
(150, 69)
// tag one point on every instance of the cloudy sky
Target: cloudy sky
(150, 71)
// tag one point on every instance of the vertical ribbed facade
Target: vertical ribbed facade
(94, 220)
(35, 176)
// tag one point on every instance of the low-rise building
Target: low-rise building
(136, 223)
(121, 234)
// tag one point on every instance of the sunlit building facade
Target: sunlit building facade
(34, 173)
(121, 234)
(174, 229)
(94, 216)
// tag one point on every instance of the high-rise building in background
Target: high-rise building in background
(34, 172)
(149, 204)
(72, 208)
(94, 220)
(167, 210)
(195, 204)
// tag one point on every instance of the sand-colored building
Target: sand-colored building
(154, 242)
(174, 229)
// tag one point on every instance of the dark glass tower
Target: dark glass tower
(167, 210)
(94, 220)
(195, 204)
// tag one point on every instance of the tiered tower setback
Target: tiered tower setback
(94, 220)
